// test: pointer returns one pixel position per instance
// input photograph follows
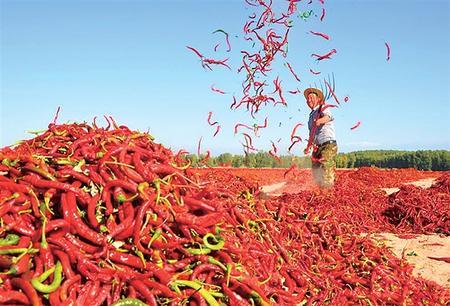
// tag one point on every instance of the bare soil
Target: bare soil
(417, 250)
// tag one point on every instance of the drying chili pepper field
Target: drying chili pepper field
(107, 216)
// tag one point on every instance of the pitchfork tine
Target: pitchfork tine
(321, 87)
(334, 83)
(327, 83)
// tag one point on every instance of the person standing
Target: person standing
(322, 139)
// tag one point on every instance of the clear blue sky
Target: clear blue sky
(128, 59)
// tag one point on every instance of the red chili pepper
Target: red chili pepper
(446, 259)
(37, 182)
(129, 211)
(195, 51)
(79, 244)
(54, 298)
(292, 71)
(202, 221)
(294, 92)
(314, 72)
(294, 142)
(294, 130)
(356, 125)
(388, 50)
(67, 284)
(28, 289)
(210, 61)
(144, 291)
(209, 119)
(275, 156)
(15, 187)
(79, 226)
(332, 92)
(241, 125)
(324, 56)
(19, 225)
(102, 296)
(217, 131)
(64, 259)
(8, 297)
(166, 291)
(226, 38)
(325, 36)
(217, 90)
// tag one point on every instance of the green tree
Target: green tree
(238, 161)
(250, 160)
(225, 159)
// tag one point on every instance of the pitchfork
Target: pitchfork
(328, 87)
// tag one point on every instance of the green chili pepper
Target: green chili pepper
(17, 251)
(260, 300)
(155, 236)
(57, 279)
(198, 287)
(201, 251)
(44, 173)
(219, 242)
(121, 198)
(15, 195)
(129, 302)
(141, 257)
(217, 263)
(10, 239)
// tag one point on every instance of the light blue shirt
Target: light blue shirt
(324, 132)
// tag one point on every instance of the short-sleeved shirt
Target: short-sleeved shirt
(324, 132)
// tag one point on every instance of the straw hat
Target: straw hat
(318, 92)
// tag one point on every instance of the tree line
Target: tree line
(437, 160)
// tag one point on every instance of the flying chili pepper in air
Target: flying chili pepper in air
(356, 125)
(217, 90)
(209, 119)
(292, 71)
(325, 56)
(323, 14)
(226, 38)
(294, 92)
(332, 92)
(388, 50)
(325, 36)
(217, 131)
(314, 72)
(195, 51)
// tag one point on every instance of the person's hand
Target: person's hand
(320, 121)
(306, 150)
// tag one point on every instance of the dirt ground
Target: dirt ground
(416, 250)
(425, 183)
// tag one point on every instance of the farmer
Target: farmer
(322, 139)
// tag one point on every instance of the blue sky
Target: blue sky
(128, 59)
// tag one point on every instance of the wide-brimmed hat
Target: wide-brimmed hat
(318, 92)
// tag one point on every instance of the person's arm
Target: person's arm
(324, 119)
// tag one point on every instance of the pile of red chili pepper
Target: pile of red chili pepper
(442, 183)
(420, 210)
(257, 176)
(385, 178)
(367, 209)
(101, 216)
